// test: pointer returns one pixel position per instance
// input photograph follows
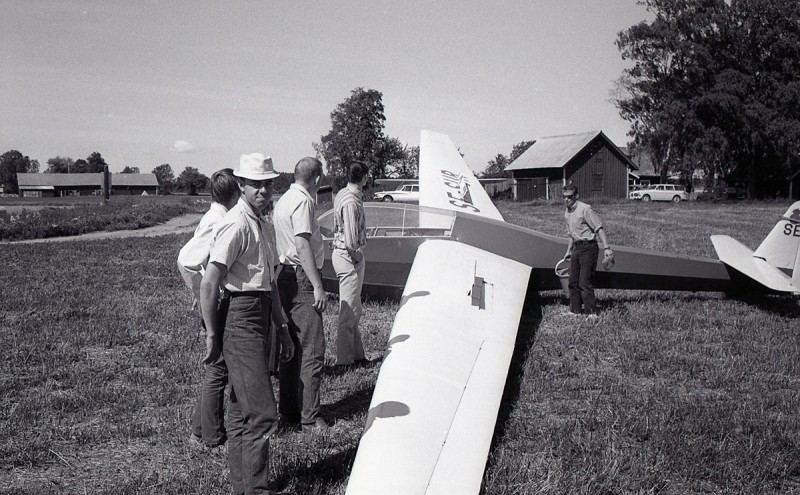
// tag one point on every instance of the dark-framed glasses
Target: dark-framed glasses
(259, 184)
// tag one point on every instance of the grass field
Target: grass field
(666, 392)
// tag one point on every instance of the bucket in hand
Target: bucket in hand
(562, 272)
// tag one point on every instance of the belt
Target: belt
(594, 241)
(251, 293)
(289, 267)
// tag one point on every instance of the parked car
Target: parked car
(661, 192)
(407, 193)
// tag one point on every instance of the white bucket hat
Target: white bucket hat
(255, 166)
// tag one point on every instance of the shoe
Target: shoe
(592, 316)
(361, 362)
(318, 426)
(196, 442)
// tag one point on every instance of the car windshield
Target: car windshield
(398, 220)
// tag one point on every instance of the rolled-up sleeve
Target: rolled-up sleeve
(227, 246)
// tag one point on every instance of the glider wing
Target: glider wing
(435, 404)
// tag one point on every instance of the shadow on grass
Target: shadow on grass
(786, 306)
(337, 370)
(783, 306)
(350, 405)
(529, 323)
(313, 479)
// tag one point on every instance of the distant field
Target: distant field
(666, 392)
(40, 218)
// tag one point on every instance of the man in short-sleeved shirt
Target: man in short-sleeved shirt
(303, 297)
(242, 261)
(584, 228)
(208, 420)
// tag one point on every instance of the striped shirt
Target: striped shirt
(582, 222)
(245, 244)
(349, 227)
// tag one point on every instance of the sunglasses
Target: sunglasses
(258, 184)
(568, 196)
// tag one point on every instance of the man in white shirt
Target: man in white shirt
(242, 261)
(208, 420)
(302, 295)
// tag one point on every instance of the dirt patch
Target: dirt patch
(177, 225)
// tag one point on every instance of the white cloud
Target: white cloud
(183, 146)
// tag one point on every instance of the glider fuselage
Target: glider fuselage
(396, 231)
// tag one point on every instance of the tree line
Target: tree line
(715, 87)
(14, 162)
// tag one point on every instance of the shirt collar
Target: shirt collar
(218, 206)
(355, 188)
(303, 190)
(245, 206)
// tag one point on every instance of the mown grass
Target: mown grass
(666, 392)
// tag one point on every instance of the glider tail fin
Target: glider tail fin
(776, 263)
(781, 248)
(446, 182)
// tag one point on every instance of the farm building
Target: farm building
(59, 185)
(591, 160)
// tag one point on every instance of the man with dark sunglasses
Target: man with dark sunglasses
(584, 228)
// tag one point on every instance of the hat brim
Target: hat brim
(256, 176)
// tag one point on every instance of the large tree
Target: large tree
(192, 181)
(715, 87)
(496, 168)
(165, 176)
(12, 163)
(80, 166)
(96, 163)
(406, 165)
(130, 170)
(60, 165)
(356, 135)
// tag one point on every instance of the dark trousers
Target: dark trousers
(208, 420)
(582, 267)
(253, 414)
(301, 377)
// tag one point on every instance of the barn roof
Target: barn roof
(27, 181)
(134, 180)
(558, 151)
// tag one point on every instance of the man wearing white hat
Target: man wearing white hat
(242, 261)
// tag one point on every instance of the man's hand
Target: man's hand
(213, 349)
(320, 301)
(287, 346)
(608, 259)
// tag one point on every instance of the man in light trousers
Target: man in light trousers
(349, 239)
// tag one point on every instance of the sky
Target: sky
(198, 83)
